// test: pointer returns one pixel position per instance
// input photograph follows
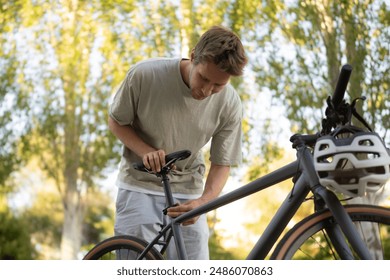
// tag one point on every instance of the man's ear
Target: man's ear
(192, 55)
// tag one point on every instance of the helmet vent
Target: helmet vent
(324, 147)
(376, 170)
(326, 159)
(364, 156)
(366, 142)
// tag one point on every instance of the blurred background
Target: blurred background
(61, 61)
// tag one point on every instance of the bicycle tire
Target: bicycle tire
(122, 247)
(308, 232)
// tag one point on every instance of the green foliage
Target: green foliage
(216, 248)
(15, 241)
(45, 218)
(99, 219)
(8, 136)
(217, 251)
(310, 42)
(260, 166)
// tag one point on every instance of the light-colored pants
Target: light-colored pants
(141, 215)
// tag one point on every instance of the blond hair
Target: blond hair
(222, 47)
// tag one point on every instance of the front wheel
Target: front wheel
(122, 248)
(308, 239)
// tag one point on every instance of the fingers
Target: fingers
(154, 160)
(176, 211)
(190, 221)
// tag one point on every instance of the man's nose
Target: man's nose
(208, 89)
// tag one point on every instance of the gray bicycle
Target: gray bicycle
(341, 158)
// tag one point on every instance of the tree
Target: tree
(74, 54)
(310, 42)
(63, 95)
(8, 157)
(305, 45)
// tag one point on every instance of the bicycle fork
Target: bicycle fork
(344, 226)
(344, 229)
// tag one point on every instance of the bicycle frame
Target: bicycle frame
(304, 183)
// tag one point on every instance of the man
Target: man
(170, 104)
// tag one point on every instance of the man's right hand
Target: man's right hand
(154, 160)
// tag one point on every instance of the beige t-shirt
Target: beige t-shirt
(155, 101)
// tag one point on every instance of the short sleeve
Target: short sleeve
(226, 143)
(123, 106)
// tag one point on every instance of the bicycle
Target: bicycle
(333, 231)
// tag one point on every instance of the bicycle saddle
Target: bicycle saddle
(169, 160)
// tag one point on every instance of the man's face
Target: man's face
(206, 79)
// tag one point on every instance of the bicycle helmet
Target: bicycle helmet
(352, 161)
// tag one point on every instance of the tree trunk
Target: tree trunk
(72, 201)
(72, 196)
(72, 227)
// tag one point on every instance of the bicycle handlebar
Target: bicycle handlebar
(341, 85)
(338, 111)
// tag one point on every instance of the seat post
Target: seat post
(178, 236)
(167, 187)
